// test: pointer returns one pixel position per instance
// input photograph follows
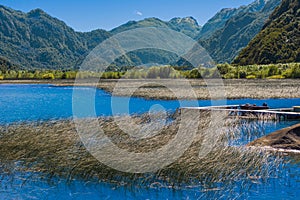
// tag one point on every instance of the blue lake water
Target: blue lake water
(43, 102)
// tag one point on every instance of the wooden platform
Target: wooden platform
(234, 110)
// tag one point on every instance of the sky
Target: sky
(87, 15)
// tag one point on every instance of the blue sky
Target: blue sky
(86, 15)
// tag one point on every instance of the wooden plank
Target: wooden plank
(235, 109)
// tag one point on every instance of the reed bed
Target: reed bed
(53, 149)
(233, 89)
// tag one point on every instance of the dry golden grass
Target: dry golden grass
(234, 89)
(53, 149)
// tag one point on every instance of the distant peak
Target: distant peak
(36, 13)
(153, 18)
(263, 2)
(226, 9)
(2, 7)
(188, 19)
(6, 8)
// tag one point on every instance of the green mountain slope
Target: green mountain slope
(219, 20)
(225, 44)
(279, 40)
(6, 65)
(37, 40)
(187, 25)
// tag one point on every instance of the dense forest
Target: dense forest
(279, 41)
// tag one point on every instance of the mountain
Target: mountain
(187, 25)
(224, 44)
(219, 20)
(6, 65)
(37, 40)
(278, 41)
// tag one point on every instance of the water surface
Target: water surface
(43, 102)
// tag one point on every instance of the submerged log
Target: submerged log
(284, 139)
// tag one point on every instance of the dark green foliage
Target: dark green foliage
(225, 44)
(220, 20)
(274, 71)
(279, 41)
(226, 71)
(37, 40)
(6, 65)
(194, 73)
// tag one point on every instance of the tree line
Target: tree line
(225, 71)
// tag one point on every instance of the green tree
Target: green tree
(48, 76)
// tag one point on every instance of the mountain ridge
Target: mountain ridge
(225, 43)
(186, 25)
(219, 20)
(278, 41)
(36, 40)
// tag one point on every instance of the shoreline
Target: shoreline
(160, 89)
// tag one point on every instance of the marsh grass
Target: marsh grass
(53, 149)
(234, 89)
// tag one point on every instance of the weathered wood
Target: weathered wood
(280, 113)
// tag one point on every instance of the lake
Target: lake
(43, 102)
(20, 103)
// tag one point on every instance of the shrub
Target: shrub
(194, 73)
(276, 77)
(251, 77)
(242, 74)
(48, 76)
(229, 76)
(273, 70)
(224, 68)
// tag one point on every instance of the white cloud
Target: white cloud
(138, 13)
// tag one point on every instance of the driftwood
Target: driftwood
(284, 139)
